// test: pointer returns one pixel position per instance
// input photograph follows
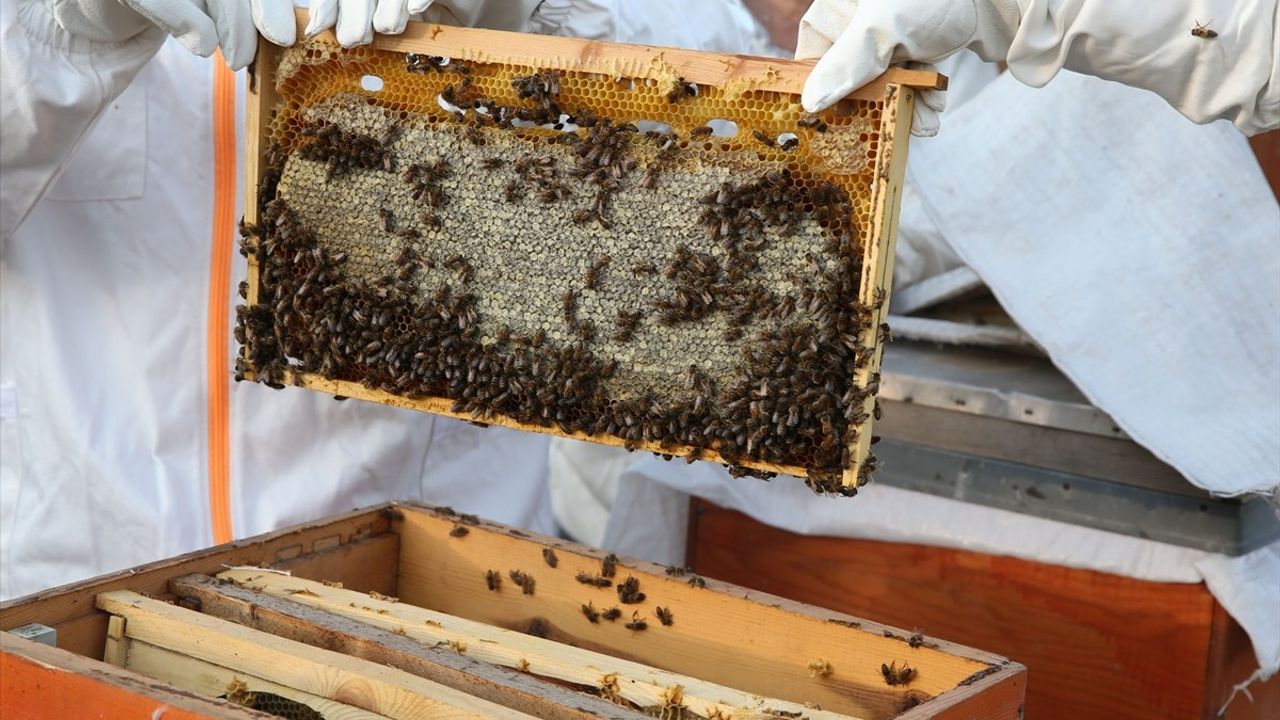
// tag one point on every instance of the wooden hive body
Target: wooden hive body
(637, 246)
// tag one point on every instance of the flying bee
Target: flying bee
(1203, 31)
(664, 615)
(493, 579)
(637, 623)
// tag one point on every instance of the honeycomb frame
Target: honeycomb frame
(772, 87)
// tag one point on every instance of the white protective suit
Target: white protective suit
(1140, 250)
(115, 447)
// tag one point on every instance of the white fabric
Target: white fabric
(200, 27)
(105, 217)
(1160, 300)
(1235, 75)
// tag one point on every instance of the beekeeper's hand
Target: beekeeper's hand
(1209, 59)
(357, 20)
(199, 26)
(856, 40)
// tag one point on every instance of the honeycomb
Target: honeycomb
(673, 266)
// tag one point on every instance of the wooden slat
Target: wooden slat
(891, 170)
(38, 681)
(317, 627)
(613, 59)
(724, 634)
(349, 680)
(205, 678)
(82, 629)
(641, 685)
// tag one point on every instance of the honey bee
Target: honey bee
(522, 579)
(609, 565)
(894, 675)
(637, 623)
(629, 592)
(664, 615)
(493, 579)
(697, 582)
(549, 556)
(388, 219)
(469, 519)
(701, 132)
(763, 138)
(492, 163)
(682, 89)
(810, 120)
(1203, 31)
(458, 531)
(611, 614)
(590, 612)
(586, 579)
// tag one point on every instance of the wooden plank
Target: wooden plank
(349, 680)
(38, 681)
(725, 634)
(117, 644)
(316, 627)
(212, 680)
(878, 254)
(1232, 660)
(82, 628)
(642, 685)
(742, 72)
(1095, 644)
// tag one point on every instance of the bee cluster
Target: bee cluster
(539, 261)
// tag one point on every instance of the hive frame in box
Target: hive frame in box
(895, 89)
(760, 643)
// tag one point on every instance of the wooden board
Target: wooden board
(756, 642)
(355, 548)
(1095, 645)
(38, 681)
(212, 680)
(317, 627)
(349, 680)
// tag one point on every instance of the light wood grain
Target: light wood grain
(641, 685)
(38, 681)
(205, 678)
(313, 626)
(82, 628)
(379, 689)
(742, 72)
(755, 642)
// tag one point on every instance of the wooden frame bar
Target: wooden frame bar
(322, 628)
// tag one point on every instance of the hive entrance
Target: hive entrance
(593, 255)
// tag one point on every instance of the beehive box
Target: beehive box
(639, 246)
(386, 611)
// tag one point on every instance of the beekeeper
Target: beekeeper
(124, 438)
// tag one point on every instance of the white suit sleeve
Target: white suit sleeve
(1233, 74)
(54, 86)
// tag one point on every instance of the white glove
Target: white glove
(358, 19)
(1231, 72)
(199, 26)
(858, 39)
